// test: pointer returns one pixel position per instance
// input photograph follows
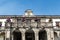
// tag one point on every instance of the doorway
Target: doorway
(17, 35)
(42, 35)
(29, 35)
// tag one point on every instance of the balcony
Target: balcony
(33, 24)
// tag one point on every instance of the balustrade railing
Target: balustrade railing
(33, 24)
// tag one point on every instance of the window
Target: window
(58, 24)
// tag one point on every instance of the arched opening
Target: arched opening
(55, 36)
(29, 35)
(42, 35)
(17, 35)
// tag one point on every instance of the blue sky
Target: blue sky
(39, 7)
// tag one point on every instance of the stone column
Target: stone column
(52, 35)
(23, 34)
(7, 35)
(36, 34)
(48, 34)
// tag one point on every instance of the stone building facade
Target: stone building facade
(29, 27)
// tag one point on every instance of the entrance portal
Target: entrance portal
(42, 35)
(17, 35)
(29, 35)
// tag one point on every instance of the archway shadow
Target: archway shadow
(29, 35)
(17, 35)
(42, 35)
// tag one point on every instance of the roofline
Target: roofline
(40, 16)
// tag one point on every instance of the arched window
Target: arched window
(42, 35)
(17, 35)
(29, 35)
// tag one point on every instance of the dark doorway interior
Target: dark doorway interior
(29, 35)
(42, 35)
(17, 35)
